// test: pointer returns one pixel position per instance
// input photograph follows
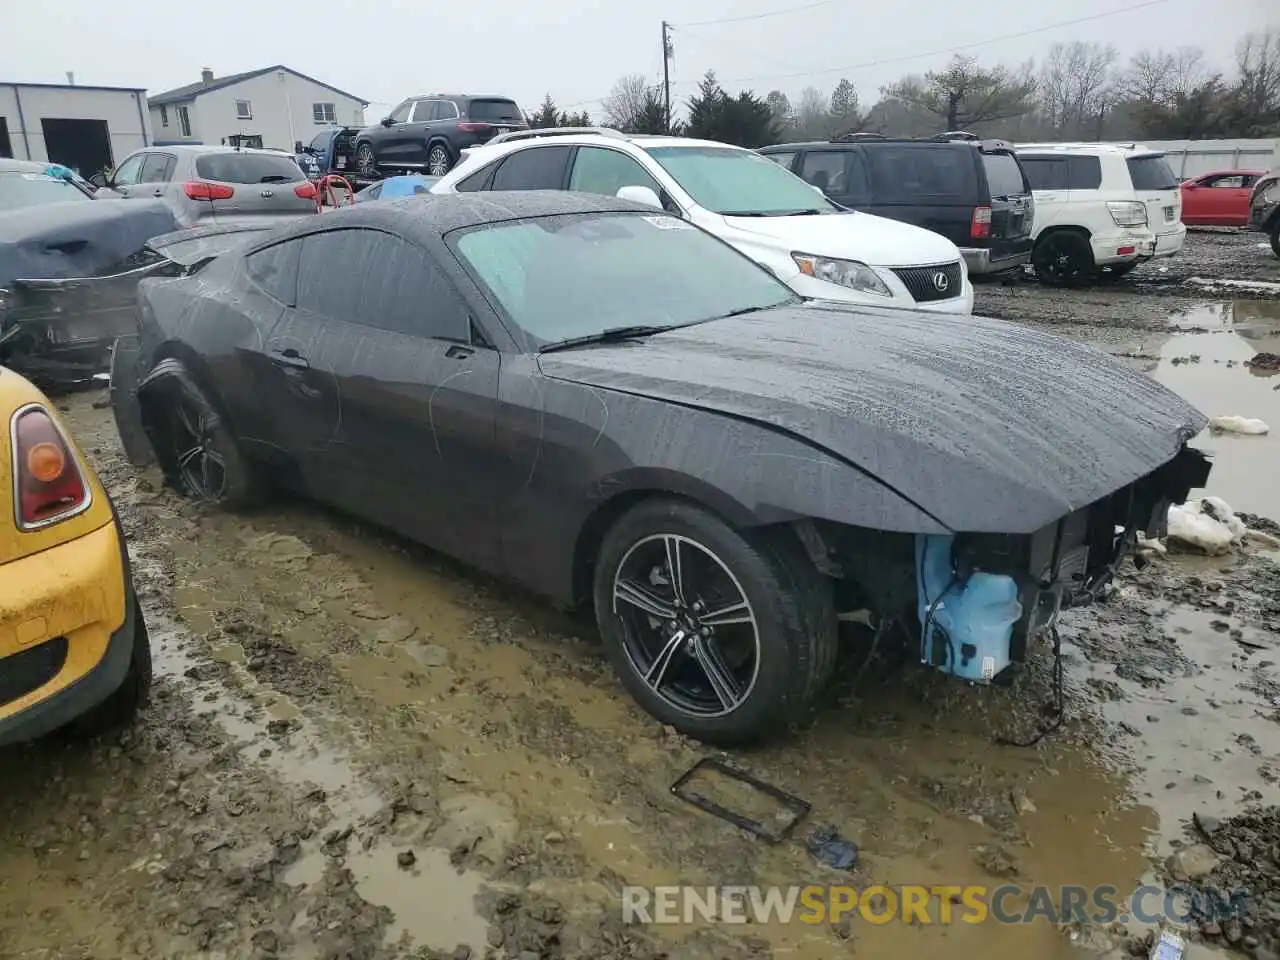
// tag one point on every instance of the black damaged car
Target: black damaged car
(620, 411)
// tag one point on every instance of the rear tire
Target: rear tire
(1275, 236)
(754, 640)
(1063, 258)
(197, 449)
(120, 708)
(438, 160)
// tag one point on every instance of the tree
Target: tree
(582, 119)
(629, 100)
(780, 106)
(1159, 76)
(844, 112)
(812, 119)
(1077, 85)
(965, 94)
(707, 108)
(1255, 101)
(652, 116)
(745, 120)
(547, 115)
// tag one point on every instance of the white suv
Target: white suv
(1100, 206)
(820, 249)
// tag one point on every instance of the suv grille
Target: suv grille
(923, 283)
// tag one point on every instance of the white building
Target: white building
(275, 103)
(88, 128)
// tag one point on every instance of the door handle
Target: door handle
(458, 352)
(289, 357)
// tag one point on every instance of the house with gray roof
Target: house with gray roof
(277, 104)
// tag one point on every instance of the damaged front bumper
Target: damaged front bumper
(62, 331)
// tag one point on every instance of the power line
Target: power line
(758, 16)
(1046, 28)
(740, 49)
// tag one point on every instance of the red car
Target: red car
(1218, 199)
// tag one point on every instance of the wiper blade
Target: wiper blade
(810, 211)
(743, 310)
(612, 335)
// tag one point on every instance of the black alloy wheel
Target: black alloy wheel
(366, 164)
(438, 161)
(1063, 258)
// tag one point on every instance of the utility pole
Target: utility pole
(666, 76)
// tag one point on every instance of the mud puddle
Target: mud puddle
(1205, 363)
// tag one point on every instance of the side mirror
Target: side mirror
(99, 180)
(297, 146)
(386, 121)
(638, 194)
(1191, 185)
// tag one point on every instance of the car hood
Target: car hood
(985, 425)
(59, 240)
(854, 236)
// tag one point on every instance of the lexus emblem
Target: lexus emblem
(267, 194)
(940, 282)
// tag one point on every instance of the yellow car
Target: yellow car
(74, 650)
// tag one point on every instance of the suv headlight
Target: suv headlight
(1128, 213)
(847, 273)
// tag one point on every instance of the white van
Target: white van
(820, 249)
(1100, 206)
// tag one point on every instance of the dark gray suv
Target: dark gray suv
(429, 133)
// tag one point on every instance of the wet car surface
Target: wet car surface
(330, 699)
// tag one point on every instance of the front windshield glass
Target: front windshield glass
(582, 274)
(19, 190)
(739, 182)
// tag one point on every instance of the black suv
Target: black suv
(429, 133)
(973, 192)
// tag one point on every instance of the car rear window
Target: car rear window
(1004, 176)
(1151, 173)
(906, 174)
(494, 111)
(248, 168)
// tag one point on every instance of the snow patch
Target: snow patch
(1207, 523)
(1258, 286)
(1246, 425)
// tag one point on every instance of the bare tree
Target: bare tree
(1258, 65)
(626, 104)
(812, 118)
(1160, 77)
(965, 94)
(845, 115)
(1077, 85)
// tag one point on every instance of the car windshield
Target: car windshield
(19, 190)
(739, 183)
(579, 275)
(248, 168)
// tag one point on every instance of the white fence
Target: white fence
(1190, 158)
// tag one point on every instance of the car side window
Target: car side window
(275, 269)
(1084, 173)
(387, 283)
(476, 181)
(1231, 182)
(157, 168)
(841, 173)
(421, 111)
(1046, 173)
(781, 159)
(538, 168)
(401, 113)
(448, 110)
(320, 141)
(128, 172)
(371, 193)
(604, 171)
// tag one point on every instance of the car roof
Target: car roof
(201, 149)
(1090, 149)
(462, 96)
(444, 213)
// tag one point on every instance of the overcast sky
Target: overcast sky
(575, 49)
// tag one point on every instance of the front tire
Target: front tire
(728, 636)
(438, 160)
(366, 162)
(1063, 258)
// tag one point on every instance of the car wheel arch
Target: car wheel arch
(175, 365)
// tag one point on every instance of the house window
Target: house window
(184, 121)
(244, 110)
(164, 115)
(324, 113)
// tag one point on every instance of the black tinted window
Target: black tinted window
(539, 168)
(1084, 173)
(1004, 176)
(1046, 173)
(384, 282)
(275, 269)
(474, 182)
(494, 111)
(907, 174)
(1151, 173)
(248, 168)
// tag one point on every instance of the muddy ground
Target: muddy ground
(357, 749)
